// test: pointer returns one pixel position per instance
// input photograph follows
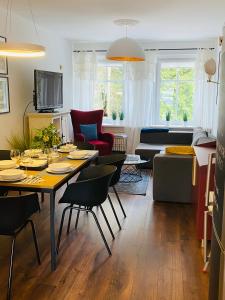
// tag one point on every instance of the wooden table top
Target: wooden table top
(51, 181)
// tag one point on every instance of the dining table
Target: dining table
(50, 183)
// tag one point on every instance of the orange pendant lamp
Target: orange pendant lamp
(17, 49)
(125, 49)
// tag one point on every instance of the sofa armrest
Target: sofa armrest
(79, 137)
(107, 137)
(172, 178)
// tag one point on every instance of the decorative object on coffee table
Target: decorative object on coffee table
(4, 95)
(132, 169)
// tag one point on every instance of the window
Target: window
(176, 90)
(109, 88)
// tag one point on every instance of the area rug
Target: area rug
(135, 188)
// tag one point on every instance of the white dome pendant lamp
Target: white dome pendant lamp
(17, 49)
(125, 49)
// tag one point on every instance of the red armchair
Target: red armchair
(104, 143)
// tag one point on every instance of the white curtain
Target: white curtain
(84, 71)
(139, 96)
(205, 93)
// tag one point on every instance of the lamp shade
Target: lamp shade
(210, 67)
(125, 49)
(21, 50)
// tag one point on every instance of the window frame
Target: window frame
(161, 60)
(107, 64)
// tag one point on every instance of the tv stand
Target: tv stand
(43, 119)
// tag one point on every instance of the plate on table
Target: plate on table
(67, 148)
(60, 167)
(77, 157)
(34, 163)
(49, 170)
(33, 152)
(12, 175)
(7, 164)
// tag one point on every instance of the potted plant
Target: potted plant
(114, 115)
(46, 138)
(121, 116)
(185, 118)
(168, 117)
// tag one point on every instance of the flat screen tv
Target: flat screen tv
(48, 90)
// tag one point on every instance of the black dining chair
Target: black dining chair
(14, 216)
(116, 160)
(84, 146)
(90, 190)
(4, 155)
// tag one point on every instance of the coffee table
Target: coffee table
(131, 171)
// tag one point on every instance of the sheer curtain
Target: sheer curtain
(205, 93)
(84, 72)
(139, 96)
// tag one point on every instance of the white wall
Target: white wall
(21, 73)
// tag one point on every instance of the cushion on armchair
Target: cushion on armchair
(89, 131)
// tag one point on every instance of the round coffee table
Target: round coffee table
(131, 171)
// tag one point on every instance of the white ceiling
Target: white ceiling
(92, 20)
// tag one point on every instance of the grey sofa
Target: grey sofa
(155, 140)
(172, 174)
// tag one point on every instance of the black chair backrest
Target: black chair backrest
(4, 154)
(91, 187)
(14, 211)
(116, 160)
(85, 146)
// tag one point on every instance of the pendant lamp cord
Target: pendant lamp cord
(33, 19)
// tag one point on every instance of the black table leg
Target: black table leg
(52, 231)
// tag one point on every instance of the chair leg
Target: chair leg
(61, 226)
(35, 241)
(118, 198)
(69, 221)
(77, 219)
(107, 222)
(11, 269)
(114, 212)
(42, 197)
(101, 232)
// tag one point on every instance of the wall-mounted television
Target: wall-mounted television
(48, 90)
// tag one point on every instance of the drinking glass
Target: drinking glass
(15, 155)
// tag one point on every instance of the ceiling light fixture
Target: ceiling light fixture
(16, 49)
(125, 49)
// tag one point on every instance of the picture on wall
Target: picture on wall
(3, 60)
(4, 95)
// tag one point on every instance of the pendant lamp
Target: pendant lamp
(125, 49)
(17, 49)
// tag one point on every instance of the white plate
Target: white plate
(34, 164)
(33, 152)
(60, 167)
(11, 174)
(77, 157)
(7, 164)
(79, 153)
(14, 180)
(49, 170)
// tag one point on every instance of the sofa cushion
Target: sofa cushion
(167, 138)
(180, 150)
(198, 135)
(152, 130)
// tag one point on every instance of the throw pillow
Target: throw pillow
(198, 134)
(89, 131)
(181, 150)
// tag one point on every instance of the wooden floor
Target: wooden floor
(155, 256)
